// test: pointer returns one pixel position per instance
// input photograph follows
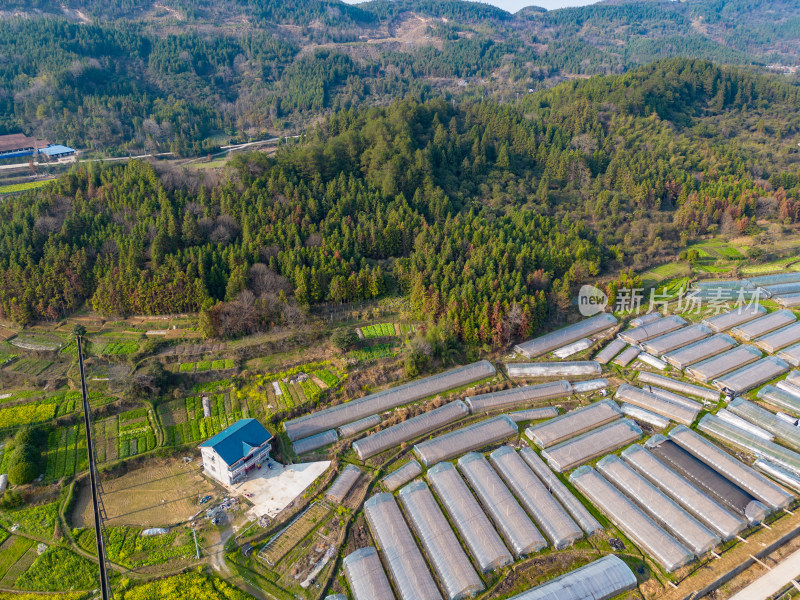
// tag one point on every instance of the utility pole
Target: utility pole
(105, 588)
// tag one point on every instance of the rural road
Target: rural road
(217, 557)
(772, 581)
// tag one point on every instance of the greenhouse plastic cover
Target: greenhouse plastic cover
(444, 552)
(342, 597)
(315, 442)
(733, 318)
(676, 339)
(403, 558)
(725, 284)
(510, 518)
(466, 514)
(463, 440)
(554, 369)
(679, 413)
(573, 348)
(651, 360)
(694, 353)
(679, 386)
(786, 433)
(519, 395)
(739, 473)
(773, 279)
(602, 579)
(741, 423)
(576, 510)
(580, 387)
(402, 475)
(573, 423)
(673, 397)
(610, 351)
(597, 442)
(764, 325)
(562, 337)
(656, 542)
(365, 575)
(408, 430)
(645, 319)
(780, 399)
(789, 300)
(752, 376)
(781, 289)
(674, 519)
(778, 340)
(343, 484)
(548, 514)
(788, 387)
(645, 416)
(709, 512)
(534, 414)
(379, 402)
(640, 334)
(794, 378)
(711, 368)
(359, 426)
(791, 355)
(626, 356)
(778, 473)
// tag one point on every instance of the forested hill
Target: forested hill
(129, 76)
(486, 215)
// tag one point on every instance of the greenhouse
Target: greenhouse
(645, 319)
(709, 512)
(602, 579)
(651, 360)
(778, 473)
(679, 386)
(643, 333)
(573, 423)
(610, 351)
(597, 442)
(518, 395)
(733, 318)
(656, 542)
(466, 514)
(753, 375)
(442, 548)
(574, 507)
(534, 414)
(573, 348)
(359, 426)
(715, 367)
(461, 441)
(548, 514)
(401, 476)
(786, 433)
(657, 505)
(341, 597)
(680, 413)
(407, 567)
(677, 339)
(577, 368)
(725, 415)
(723, 284)
(364, 573)
(626, 356)
(774, 279)
(673, 397)
(780, 339)
(557, 339)
(791, 355)
(581, 387)
(788, 387)
(789, 300)
(379, 402)
(508, 516)
(781, 289)
(780, 399)
(694, 353)
(742, 475)
(343, 484)
(320, 440)
(644, 416)
(794, 378)
(408, 430)
(764, 325)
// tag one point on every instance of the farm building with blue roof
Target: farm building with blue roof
(233, 452)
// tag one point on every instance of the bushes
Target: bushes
(25, 456)
(59, 569)
(344, 339)
(22, 473)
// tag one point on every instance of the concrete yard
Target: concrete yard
(274, 489)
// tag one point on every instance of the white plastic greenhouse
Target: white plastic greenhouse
(645, 319)
(573, 348)
(518, 395)
(407, 567)
(753, 375)
(694, 353)
(358, 426)
(741, 423)
(676, 339)
(548, 514)
(461, 441)
(315, 442)
(379, 402)
(574, 452)
(656, 542)
(734, 318)
(786, 433)
(591, 385)
(610, 351)
(643, 333)
(652, 361)
(789, 300)
(444, 552)
(401, 476)
(365, 576)
(557, 339)
(508, 516)
(602, 579)
(673, 397)
(680, 413)
(343, 484)
(780, 339)
(791, 355)
(780, 399)
(644, 416)
(761, 280)
(719, 365)
(778, 473)
(679, 386)
(466, 514)
(626, 356)
(408, 430)
(534, 414)
(573, 423)
(781, 289)
(576, 368)
(764, 325)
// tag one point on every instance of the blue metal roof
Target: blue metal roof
(237, 441)
(56, 149)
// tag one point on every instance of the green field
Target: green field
(58, 569)
(38, 521)
(66, 453)
(127, 546)
(184, 421)
(207, 365)
(374, 352)
(15, 188)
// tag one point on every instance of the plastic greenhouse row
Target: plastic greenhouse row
(789, 300)
(355, 427)
(643, 333)
(694, 353)
(676, 339)
(645, 319)
(558, 339)
(644, 416)
(610, 351)
(674, 398)
(401, 476)
(570, 454)
(786, 433)
(578, 368)
(737, 421)
(343, 484)
(652, 361)
(778, 473)
(676, 412)
(734, 318)
(534, 414)
(604, 578)
(573, 348)
(581, 387)
(753, 375)
(764, 325)
(573, 423)
(626, 356)
(314, 442)
(679, 386)
(780, 339)
(791, 355)
(365, 575)
(780, 399)
(780, 289)
(519, 395)
(719, 365)
(460, 441)
(773, 279)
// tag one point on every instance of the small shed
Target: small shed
(247, 549)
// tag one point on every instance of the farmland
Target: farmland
(17, 188)
(66, 453)
(380, 330)
(127, 546)
(184, 421)
(371, 353)
(206, 365)
(59, 569)
(281, 545)
(38, 521)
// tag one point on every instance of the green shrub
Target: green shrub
(22, 472)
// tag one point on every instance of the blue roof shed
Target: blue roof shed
(239, 440)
